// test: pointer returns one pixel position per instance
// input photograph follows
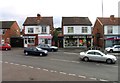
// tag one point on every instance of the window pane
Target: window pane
(84, 30)
(109, 29)
(30, 30)
(70, 30)
(44, 29)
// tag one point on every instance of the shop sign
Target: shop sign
(29, 37)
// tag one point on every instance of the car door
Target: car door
(99, 56)
(116, 48)
(91, 55)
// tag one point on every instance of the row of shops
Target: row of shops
(69, 41)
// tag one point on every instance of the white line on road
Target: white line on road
(11, 63)
(103, 80)
(93, 78)
(53, 71)
(24, 65)
(16, 64)
(62, 73)
(71, 74)
(38, 68)
(30, 66)
(6, 62)
(81, 76)
(45, 69)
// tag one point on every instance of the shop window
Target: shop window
(71, 42)
(70, 30)
(31, 40)
(30, 30)
(84, 30)
(109, 29)
(82, 42)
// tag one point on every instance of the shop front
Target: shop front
(45, 39)
(112, 40)
(30, 40)
(77, 41)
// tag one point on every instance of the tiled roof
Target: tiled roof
(76, 21)
(108, 21)
(6, 24)
(34, 21)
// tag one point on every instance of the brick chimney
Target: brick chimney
(38, 18)
(112, 18)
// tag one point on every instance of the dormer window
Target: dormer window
(109, 29)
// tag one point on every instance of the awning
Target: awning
(113, 38)
(45, 37)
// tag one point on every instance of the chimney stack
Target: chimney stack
(112, 18)
(38, 18)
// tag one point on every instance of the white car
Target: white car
(115, 48)
(97, 55)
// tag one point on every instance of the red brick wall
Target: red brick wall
(11, 32)
(98, 28)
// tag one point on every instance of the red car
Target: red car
(5, 46)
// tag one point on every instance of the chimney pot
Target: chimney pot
(112, 18)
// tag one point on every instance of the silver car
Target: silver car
(97, 55)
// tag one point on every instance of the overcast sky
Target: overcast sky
(20, 9)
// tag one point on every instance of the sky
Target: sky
(19, 10)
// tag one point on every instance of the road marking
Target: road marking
(93, 78)
(71, 74)
(53, 71)
(45, 70)
(11, 63)
(81, 76)
(30, 66)
(65, 60)
(24, 65)
(62, 73)
(103, 80)
(16, 64)
(38, 68)
(6, 62)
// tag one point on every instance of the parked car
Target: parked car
(97, 55)
(5, 46)
(48, 47)
(35, 51)
(115, 48)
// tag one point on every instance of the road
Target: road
(56, 66)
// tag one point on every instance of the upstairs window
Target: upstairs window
(30, 30)
(44, 29)
(84, 30)
(109, 29)
(70, 30)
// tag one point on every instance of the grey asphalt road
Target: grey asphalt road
(64, 63)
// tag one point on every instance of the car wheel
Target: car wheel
(41, 54)
(111, 51)
(6, 49)
(52, 50)
(86, 59)
(108, 61)
(26, 53)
